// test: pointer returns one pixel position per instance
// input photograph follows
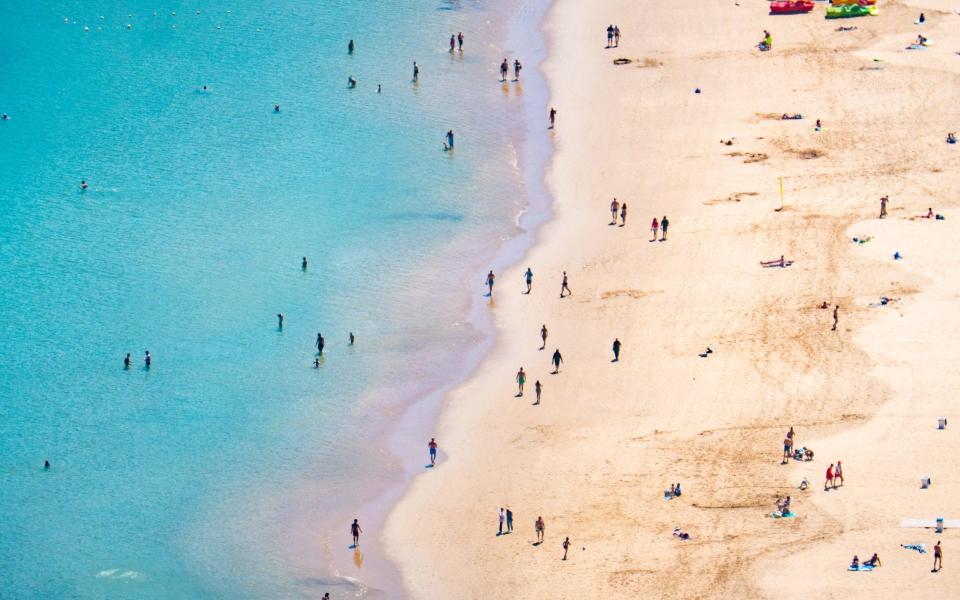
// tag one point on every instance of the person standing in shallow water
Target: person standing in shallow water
(280, 321)
(355, 530)
(433, 451)
(516, 70)
(352, 338)
(543, 336)
(450, 139)
(460, 41)
(529, 277)
(504, 69)
(320, 343)
(146, 359)
(453, 43)
(553, 117)
(350, 47)
(490, 279)
(126, 361)
(416, 72)
(303, 265)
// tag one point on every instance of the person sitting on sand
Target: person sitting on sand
(855, 563)
(874, 561)
(680, 534)
(676, 491)
(804, 484)
(767, 42)
(929, 214)
(776, 263)
(818, 126)
(951, 138)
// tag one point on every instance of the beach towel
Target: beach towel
(789, 514)
(918, 547)
(860, 568)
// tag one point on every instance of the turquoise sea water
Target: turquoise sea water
(181, 481)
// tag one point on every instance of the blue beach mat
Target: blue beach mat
(789, 515)
(860, 568)
(918, 547)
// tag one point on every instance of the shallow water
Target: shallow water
(177, 481)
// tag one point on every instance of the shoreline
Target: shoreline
(405, 436)
(594, 458)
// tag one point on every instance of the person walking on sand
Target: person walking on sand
(829, 482)
(937, 557)
(416, 72)
(654, 227)
(616, 350)
(490, 278)
(566, 547)
(787, 449)
(433, 451)
(516, 70)
(614, 209)
(529, 277)
(538, 527)
(543, 336)
(502, 516)
(509, 520)
(663, 228)
(460, 41)
(838, 474)
(616, 36)
(356, 531)
(564, 287)
(836, 308)
(610, 35)
(320, 343)
(521, 379)
(538, 388)
(623, 215)
(557, 359)
(883, 207)
(504, 68)
(553, 117)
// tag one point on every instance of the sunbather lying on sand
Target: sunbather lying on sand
(793, 117)
(776, 263)
(680, 534)
(951, 138)
(846, 28)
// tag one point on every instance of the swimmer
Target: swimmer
(126, 361)
(5, 117)
(350, 47)
(320, 343)
(379, 88)
(146, 359)
(352, 339)
(351, 82)
(303, 265)
(276, 108)
(205, 89)
(46, 465)
(83, 184)
(280, 321)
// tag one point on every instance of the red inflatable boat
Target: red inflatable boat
(787, 7)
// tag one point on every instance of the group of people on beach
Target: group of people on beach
(613, 36)
(505, 69)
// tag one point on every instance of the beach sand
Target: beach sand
(596, 455)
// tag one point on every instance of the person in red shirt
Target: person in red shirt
(829, 481)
